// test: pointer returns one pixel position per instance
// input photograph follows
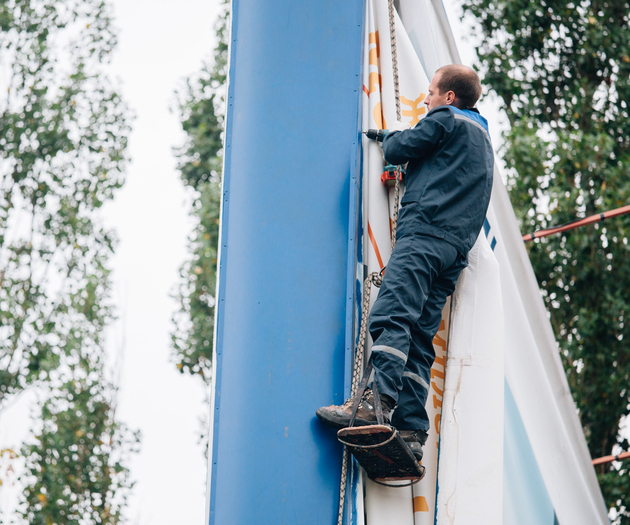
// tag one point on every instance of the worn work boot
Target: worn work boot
(338, 416)
(415, 440)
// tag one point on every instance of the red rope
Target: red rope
(570, 226)
(608, 459)
(577, 223)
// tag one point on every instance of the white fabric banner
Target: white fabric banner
(534, 372)
(385, 505)
(470, 475)
(533, 369)
(497, 308)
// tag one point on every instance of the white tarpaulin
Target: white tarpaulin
(417, 506)
(394, 505)
(536, 378)
(497, 311)
(470, 476)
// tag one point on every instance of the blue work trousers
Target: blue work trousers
(421, 274)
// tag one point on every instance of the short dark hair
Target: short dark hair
(461, 80)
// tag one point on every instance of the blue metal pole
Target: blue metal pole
(286, 269)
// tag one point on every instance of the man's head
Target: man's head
(454, 85)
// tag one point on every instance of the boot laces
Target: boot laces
(364, 403)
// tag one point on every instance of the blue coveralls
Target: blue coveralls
(449, 181)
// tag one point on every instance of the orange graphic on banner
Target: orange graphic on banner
(420, 504)
(435, 387)
(437, 375)
(437, 340)
(375, 80)
(378, 116)
(417, 108)
(375, 246)
(437, 402)
(375, 51)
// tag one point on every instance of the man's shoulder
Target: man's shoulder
(449, 115)
(470, 116)
(451, 112)
(441, 113)
(442, 116)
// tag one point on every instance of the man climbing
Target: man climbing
(449, 181)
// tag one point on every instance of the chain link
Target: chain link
(376, 279)
(342, 489)
(392, 38)
(396, 206)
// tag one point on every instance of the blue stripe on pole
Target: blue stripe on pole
(290, 159)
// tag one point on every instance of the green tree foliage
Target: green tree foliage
(75, 466)
(201, 109)
(561, 69)
(63, 135)
(62, 141)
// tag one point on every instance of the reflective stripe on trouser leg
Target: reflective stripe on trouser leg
(415, 263)
(389, 364)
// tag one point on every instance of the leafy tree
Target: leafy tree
(75, 466)
(201, 108)
(62, 140)
(63, 135)
(561, 69)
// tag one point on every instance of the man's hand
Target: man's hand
(379, 134)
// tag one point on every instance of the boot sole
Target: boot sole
(342, 420)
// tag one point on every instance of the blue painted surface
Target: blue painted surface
(286, 237)
(525, 497)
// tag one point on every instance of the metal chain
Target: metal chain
(342, 488)
(392, 37)
(375, 277)
(396, 206)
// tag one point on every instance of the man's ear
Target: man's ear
(450, 98)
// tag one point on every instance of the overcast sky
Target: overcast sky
(160, 43)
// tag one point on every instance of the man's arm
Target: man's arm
(416, 143)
